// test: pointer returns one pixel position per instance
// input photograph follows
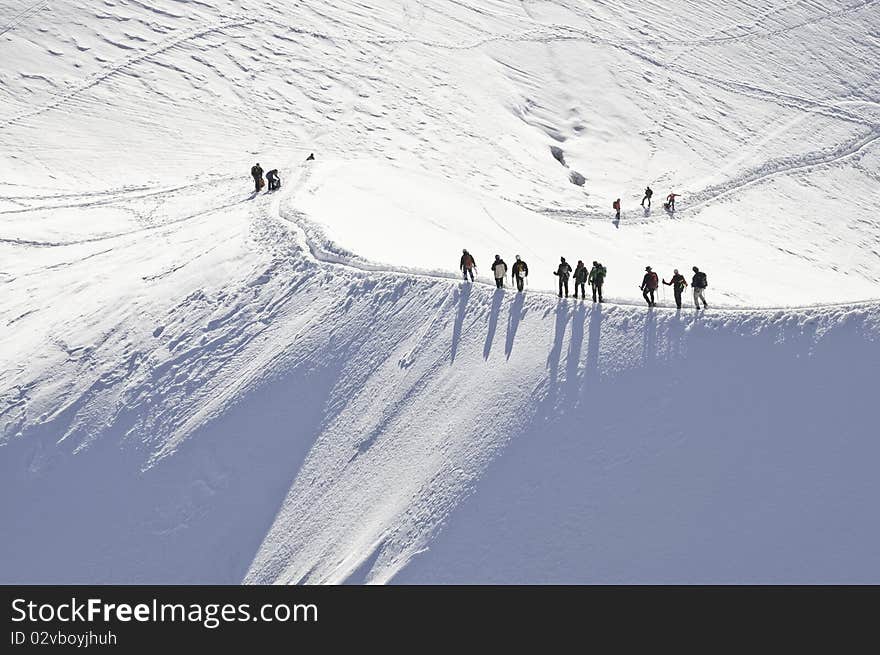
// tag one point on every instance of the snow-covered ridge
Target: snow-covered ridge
(306, 421)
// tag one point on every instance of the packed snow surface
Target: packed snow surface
(203, 384)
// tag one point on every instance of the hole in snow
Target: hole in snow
(556, 151)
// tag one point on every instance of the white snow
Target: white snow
(202, 385)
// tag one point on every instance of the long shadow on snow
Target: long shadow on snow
(757, 465)
(556, 352)
(464, 293)
(573, 357)
(493, 321)
(517, 313)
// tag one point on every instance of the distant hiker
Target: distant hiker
(467, 265)
(311, 157)
(499, 268)
(597, 278)
(580, 279)
(257, 174)
(273, 179)
(678, 284)
(520, 272)
(648, 194)
(699, 284)
(616, 207)
(563, 272)
(670, 202)
(649, 285)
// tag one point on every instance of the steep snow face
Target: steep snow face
(201, 384)
(238, 410)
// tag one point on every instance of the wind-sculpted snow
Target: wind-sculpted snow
(202, 384)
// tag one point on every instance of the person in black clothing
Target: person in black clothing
(520, 272)
(678, 284)
(580, 279)
(699, 284)
(649, 285)
(597, 279)
(311, 157)
(648, 194)
(273, 179)
(563, 272)
(257, 174)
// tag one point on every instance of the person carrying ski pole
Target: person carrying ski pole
(648, 194)
(467, 265)
(670, 201)
(678, 283)
(580, 279)
(563, 271)
(649, 285)
(520, 272)
(616, 207)
(596, 279)
(499, 268)
(257, 174)
(699, 284)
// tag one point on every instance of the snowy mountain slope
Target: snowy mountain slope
(198, 385)
(304, 421)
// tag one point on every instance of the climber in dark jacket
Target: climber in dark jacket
(580, 279)
(563, 272)
(649, 285)
(257, 174)
(678, 284)
(597, 279)
(520, 272)
(273, 179)
(699, 283)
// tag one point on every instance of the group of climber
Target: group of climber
(519, 272)
(582, 275)
(669, 205)
(594, 276)
(699, 282)
(272, 176)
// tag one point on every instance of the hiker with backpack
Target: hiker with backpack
(499, 268)
(678, 284)
(649, 285)
(467, 265)
(580, 279)
(520, 272)
(648, 194)
(257, 174)
(273, 179)
(597, 278)
(699, 284)
(616, 207)
(563, 271)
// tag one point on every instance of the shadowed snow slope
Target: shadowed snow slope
(201, 384)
